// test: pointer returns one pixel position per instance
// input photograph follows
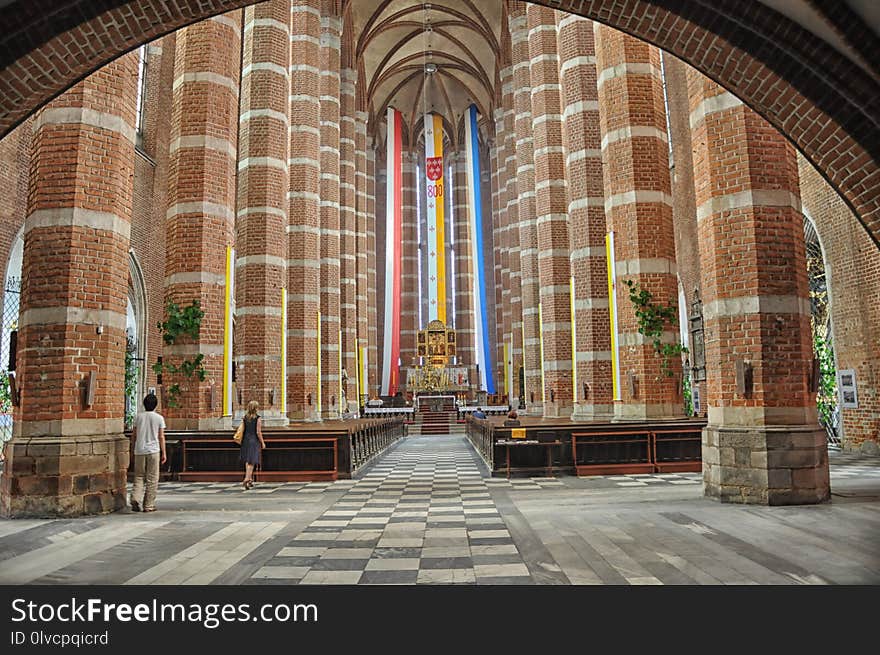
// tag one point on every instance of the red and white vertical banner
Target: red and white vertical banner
(393, 255)
(436, 198)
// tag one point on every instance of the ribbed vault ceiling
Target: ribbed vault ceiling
(393, 46)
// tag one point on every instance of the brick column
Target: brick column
(465, 320)
(263, 183)
(362, 236)
(68, 456)
(510, 204)
(763, 444)
(348, 234)
(331, 296)
(501, 238)
(638, 209)
(586, 209)
(409, 282)
(551, 207)
(304, 214)
(372, 283)
(201, 211)
(525, 185)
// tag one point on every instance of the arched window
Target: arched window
(136, 342)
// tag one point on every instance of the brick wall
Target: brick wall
(852, 266)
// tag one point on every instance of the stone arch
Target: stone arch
(818, 97)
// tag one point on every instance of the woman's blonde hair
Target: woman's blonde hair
(253, 406)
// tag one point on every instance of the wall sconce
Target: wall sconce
(333, 400)
(14, 391)
(271, 396)
(552, 396)
(744, 378)
(90, 384)
(309, 399)
(531, 396)
(211, 397)
(586, 391)
(815, 374)
(633, 381)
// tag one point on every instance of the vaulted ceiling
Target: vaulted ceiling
(398, 39)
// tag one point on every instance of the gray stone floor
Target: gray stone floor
(427, 513)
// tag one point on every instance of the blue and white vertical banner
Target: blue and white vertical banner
(475, 212)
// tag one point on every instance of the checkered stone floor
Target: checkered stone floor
(423, 515)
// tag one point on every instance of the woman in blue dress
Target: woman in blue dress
(251, 443)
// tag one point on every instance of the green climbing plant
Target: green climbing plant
(181, 323)
(826, 398)
(653, 319)
(688, 394)
(131, 377)
(5, 394)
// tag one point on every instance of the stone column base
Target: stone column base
(274, 419)
(647, 412)
(784, 465)
(556, 410)
(49, 477)
(587, 412)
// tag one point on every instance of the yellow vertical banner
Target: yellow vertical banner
(441, 222)
(525, 377)
(283, 403)
(541, 340)
(574, 356)
(227, 331)
(612, 307)
(318, 394)
(507, 369)
(357, 373)
(341, 395)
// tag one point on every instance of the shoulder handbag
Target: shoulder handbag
(239, 433)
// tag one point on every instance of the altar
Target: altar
(433, 403)
(435, 374)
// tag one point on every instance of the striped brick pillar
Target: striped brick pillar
(525, 185)
(504, 240)
(201, 205)
(409, 282)
(638, 209)
(263, 183)
(68, 456)
(372, 283)
(362, 239)
(304, 214)
(551, 207)
(586, 210)
(464, 266)
(331, 270)
(763, 444)
(510, 204)
(348, 234)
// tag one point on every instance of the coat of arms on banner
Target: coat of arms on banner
(434, 168)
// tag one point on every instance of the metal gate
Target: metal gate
(8, 337)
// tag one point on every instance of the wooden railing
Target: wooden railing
(650, 449)
(322, 453)
(480, 434)
(366, 445)
(597, 449)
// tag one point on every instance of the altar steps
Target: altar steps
(429, 422)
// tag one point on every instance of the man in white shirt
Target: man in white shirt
(148, 446)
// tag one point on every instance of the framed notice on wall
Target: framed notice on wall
(846, 386)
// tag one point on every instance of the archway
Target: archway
(820, 98)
